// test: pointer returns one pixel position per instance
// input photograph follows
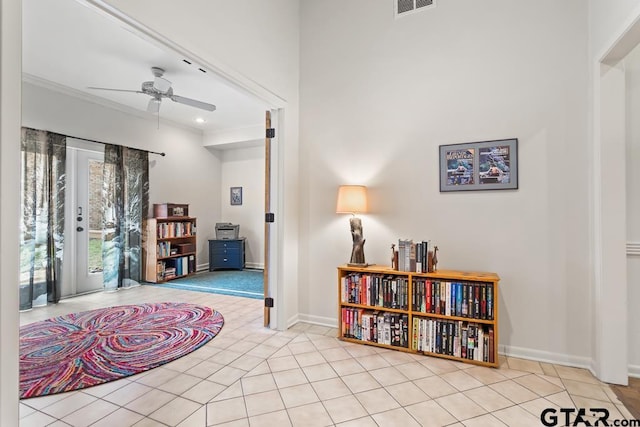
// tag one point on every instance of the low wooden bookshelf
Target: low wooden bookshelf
(169, 248)
(448, 314)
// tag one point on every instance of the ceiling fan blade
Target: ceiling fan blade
(161, 85)
(153, 106)
(193, 103)
(115, 90)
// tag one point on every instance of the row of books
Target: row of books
(176, 229)
(376, 290)
(413, 256)
(461, 339)
(463, 299)
(164, 249)
(379, 327)
(174, 267)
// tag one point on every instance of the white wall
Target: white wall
(632, 67)
(378, 96)
(245, 168)
(258, 40)
(10, 76)
(189, 173)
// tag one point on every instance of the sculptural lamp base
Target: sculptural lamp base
(357, 264)
(357, 253)
(353, 199)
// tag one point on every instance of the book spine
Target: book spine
(471, 306)
(451, 333)
(476, 300)
(465, 300)
(374, 326)
(464, 341)
(491, 349)
(490, 301)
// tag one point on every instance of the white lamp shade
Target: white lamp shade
(352, 199)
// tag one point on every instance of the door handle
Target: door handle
(79, 229)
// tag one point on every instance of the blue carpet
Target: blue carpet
(241, 283)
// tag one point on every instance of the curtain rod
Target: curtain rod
(105, 143)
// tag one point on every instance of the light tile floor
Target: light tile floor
(252, 376)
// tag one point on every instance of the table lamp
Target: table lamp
(353, 199)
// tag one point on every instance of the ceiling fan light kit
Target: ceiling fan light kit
(154, 105)
(161, 88)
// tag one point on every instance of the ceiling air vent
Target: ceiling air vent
(405, 7)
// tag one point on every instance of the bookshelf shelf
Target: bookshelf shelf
(171, 239)
(175, 256)
(404, 311)
(169, 248)
(390, 347)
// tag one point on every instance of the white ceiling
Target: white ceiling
(70, 45)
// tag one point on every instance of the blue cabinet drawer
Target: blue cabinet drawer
(227, 254)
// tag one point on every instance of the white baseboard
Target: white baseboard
(330, 322)
(634, 371)
(546, 356)
(560, 359)
(255, 265)
(592, 367)
(292, 321)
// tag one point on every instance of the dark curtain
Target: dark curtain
(42, 223)
(125, 200)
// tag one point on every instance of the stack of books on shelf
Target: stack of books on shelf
(175, 229)
(373, 326)
(164, 249)
(465, 340)
(413, 256)
(462, 299)
(176, 267)
(375, 290)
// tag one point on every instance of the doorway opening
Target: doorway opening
(154, 41)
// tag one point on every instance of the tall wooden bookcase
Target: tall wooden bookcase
(449, 314)
(169, 248)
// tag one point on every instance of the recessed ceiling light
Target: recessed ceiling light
(200, 120)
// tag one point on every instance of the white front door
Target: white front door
(87, 221)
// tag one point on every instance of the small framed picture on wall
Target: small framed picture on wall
(236, 196)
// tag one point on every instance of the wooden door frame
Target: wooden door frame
(267, 209)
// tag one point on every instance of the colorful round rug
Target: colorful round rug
(84, 349)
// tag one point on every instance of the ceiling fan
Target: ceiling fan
(161, 88)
